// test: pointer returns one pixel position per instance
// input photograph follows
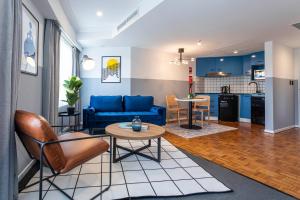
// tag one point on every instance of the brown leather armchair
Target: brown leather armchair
(60, 153)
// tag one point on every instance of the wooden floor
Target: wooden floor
(271, 159)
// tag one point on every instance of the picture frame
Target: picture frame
(111, 69)
(30, 42)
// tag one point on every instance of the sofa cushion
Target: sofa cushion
(138, 103)
(106, 103)
(126, 116)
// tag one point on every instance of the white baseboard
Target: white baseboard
(26, 169)
(281, 129)
(240, 119)
(245, 120)
(211, 118)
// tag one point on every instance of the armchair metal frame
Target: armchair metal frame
(54, 174)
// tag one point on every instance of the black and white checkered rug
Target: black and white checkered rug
(135, 176)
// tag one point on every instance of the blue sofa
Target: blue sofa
(106, 110)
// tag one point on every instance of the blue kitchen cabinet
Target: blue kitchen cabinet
(247, 65)
(205, 65)
(214, 110)
(245, 106)
(235, 65)
(230, 64)
(259, 58)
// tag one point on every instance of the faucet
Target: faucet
(256, 86)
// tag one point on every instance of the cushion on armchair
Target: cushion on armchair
(138, 103)
(106, 103)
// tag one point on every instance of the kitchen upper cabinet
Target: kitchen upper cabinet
(235, 65)
(232, 65)
(247, 65)
(205, 65)
(258, 58)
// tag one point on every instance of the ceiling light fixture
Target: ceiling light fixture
(221, 59)
(253, 56)
(99, 13)
(199, 43)
(181, 60)
(235, 51)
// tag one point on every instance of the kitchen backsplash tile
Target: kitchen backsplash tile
(238, 84)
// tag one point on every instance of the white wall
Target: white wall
(297, 77)
(62, 19)
(92, 79)
(281, 97)
(269, 59)
(97, 52)
(297, 64)
(153, 64)
(279, 60)
(152, 74)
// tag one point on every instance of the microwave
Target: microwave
(258, 72)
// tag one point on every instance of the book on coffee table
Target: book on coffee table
(127, 125)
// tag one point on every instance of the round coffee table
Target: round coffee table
(152, 132)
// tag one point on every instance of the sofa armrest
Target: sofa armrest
(157, 109)
(161, 111)
(88, 113)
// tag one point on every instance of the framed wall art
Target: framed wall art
(30, 39)
(111, 69)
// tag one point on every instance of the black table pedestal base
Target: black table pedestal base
(194, 127)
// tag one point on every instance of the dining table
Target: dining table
(190, 102)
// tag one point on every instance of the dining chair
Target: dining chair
(60, 153)
(173, 108)
(202, 107)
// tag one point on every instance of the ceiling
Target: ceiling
(82, 14)
(222, 25)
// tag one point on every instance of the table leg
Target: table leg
(159, 149)
(78, 123)
(62, 124)
(70, 124)
(190, 119)
(149, 143)
(190, 115)
(114, 149)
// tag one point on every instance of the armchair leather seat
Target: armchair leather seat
(60, 153)
(77, 152)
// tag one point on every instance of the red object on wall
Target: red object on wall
(190, 79)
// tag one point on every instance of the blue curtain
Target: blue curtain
(10, 59)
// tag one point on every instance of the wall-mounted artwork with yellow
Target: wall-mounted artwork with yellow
(111, 69)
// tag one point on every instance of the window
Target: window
(65, 68)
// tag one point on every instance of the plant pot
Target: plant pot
(71, 110)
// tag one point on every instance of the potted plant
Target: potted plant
(72, 87)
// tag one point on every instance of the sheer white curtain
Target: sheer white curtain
(65, 69)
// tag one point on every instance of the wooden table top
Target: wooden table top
(191, 100)
(152, 132)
